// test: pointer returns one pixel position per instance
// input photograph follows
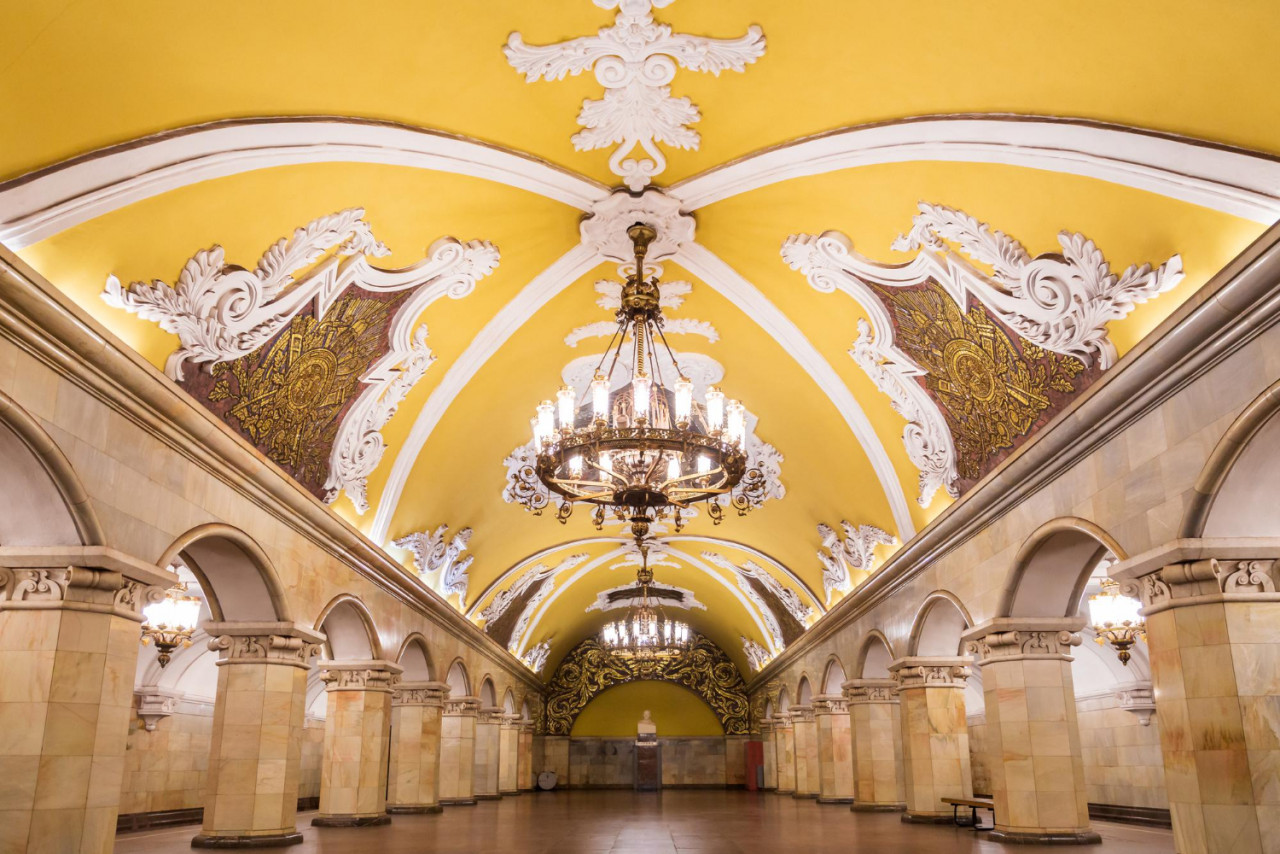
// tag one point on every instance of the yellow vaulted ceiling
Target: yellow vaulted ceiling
(78, 78)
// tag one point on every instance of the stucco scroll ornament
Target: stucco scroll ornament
(757, 656)
(856, 551)
(767, 617)
(433, 553)
(635, 61)
(501, 602)
(536, 657)
(789, 598)
(222, 312)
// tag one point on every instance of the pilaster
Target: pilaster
(255, 753)
(935, 736)
(1037, 773)
(876, 723)
(69, 637)
(353, 775)
(805, 733)
(835, 749)
(413, 782)
(458, 751)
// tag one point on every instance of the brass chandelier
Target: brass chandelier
(646, 633)
(171, 622)
(1116, 619)
(639, 450)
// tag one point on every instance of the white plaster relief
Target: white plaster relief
(536, 658)
(770, 622)
(436, 552)
(790, 600)
(635, 60)
(757, 656)
(856, 551)
(683, 598)
(501, 602)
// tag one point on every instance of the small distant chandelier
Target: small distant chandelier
(646, 633)
(170, 622)
(646, 451)
(1116, 619)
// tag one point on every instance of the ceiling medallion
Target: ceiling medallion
(646, 632)
(643, 451)
(635, 60)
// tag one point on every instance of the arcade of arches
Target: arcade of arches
(281, 285)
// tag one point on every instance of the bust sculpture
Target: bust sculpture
(646, 726)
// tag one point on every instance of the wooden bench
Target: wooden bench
(974, 804)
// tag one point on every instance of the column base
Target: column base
(784, 791)
(274, 840)
(1022, 837)
(350, 820)
(457, 802)
(822, 800)
(804, 796)
(509, 793)
(927, 818)
(857, 807)
(488, 797)
(414, 809)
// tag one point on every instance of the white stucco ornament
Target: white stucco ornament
(433, 553)
(856, 551)
(635, 61)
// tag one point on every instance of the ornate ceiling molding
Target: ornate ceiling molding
(536, 658)
(757, 656)
(855, 552)
(432, 553)
(1060, 302)
(802, 613)
(605, 230)
(635, 60)
(667, 595)
(223, 312)
(500, 603)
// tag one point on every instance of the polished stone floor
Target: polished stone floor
(671, 822)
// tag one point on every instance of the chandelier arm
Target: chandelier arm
(670, 352)
(657, 366)
(622, 328)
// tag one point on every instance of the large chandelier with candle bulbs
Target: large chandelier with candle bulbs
(171, 622)
(1116, 619)
(646, 633)
(640, 448)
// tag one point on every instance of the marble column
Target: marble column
(1213, 629)
(68, 652)
(413, 782)
(935, 736)
(524, 756)
(353, 771)
(509, 754)
(876, 722)
(805, 733)
(769, 749)
(255, 753)
(458, 751)
(488, 742)
(835, 749)
(1037, 773)
(784, 743)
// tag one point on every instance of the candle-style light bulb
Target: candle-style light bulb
(546, 423)
(600, 397)
(640, 385)
(565, 403)
(673, 467)
(704, 463)
(735, 422)
(684, 401)
(575, 466)
(715, 409)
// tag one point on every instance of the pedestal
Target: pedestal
(648, 771)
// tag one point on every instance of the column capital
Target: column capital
(1023, 639)
(489, 715)
(859, 692)
(526, 725)
(830, 704)
(263, 643)
(510, 720)
(462, 706)
(766, 726)
(84, 578)
(371, 675)
(419, 694)
(801, 713)
(1200, 571)
(782, 720)
(930, 671)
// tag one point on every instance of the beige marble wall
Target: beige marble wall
(353, 778)
(1123, 764)
(875, 719)
(735, 760)
(693, 761)
(935, 737)
(524, 757)
(804, 732)
(312, 758)
(601, 763)
(414, 771)
(769, 749)
(165, 769)
(458, 751)
(979, 754)
(687, 761)
(784, 742)
(835, 750)
(488, 747)
(555, 757)
(509, 755)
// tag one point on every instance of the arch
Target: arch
(1236, 492)
(349, 629)
(768, 709)
(525, 714)
(488, 694)
(784, 701)
(875, 653)
(938, 626)
(237, 577)
(834, 677)
(509, 702)
(1053, 566)
(458, 680)
(415, 658)
(588, 669)
(44, 502)
(804, 691)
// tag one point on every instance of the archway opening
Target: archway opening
(676, 710)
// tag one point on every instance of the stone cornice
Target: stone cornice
(419, 694)
(917, 672)
(264, 643)
(47, 324)
(782, 721)
(462, 706)
(1230, 310)
(1023, 639)
(1201, 571)
(372, 675)
(801, 714)
(860, 692)
(830, 704)
(86, 578)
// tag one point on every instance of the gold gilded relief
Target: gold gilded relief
(588, 670)
(993, 387)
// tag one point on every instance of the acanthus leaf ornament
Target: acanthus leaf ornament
(856, 551)
(503, 600)
(635, 60)
(802, 613)
(433, 553)
(536, 657)
(221, 312)
(757, 656)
